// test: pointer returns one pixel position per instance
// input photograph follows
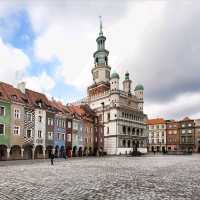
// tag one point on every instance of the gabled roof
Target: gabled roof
(58, 105)
(186, 119)
(13, 94)
(155, 121)
(81, 112)
(3, 95)
(36, 97)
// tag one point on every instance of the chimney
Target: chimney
(22, 86)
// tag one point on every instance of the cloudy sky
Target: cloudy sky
(49, 44)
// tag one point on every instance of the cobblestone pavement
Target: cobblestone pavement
(108, 178)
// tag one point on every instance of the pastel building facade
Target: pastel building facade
(157, 135)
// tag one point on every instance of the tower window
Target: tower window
(96, 60)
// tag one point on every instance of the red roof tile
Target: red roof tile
(155, 121)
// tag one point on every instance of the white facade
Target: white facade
(121, 111)
(157, 137)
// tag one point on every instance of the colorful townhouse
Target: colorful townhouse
(98, 137)
(187, 134)
(88, 119)
(68, 136)
(43, 111)
(5, 120)
(16, 140)
(172, 135)
(157, 134)
(29, 123)
(59, 129)
(197, 135)
(77, 130)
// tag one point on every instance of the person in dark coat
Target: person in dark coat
(52, 158)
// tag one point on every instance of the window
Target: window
(108, 116)
(189, 131)
(2, 111)
(50, 135)
(63, 123)
(16, 130)
(69, 124)
(100, 117)
(124, 130)
(29, 133)
(124, 143)
(96, 75)
(17, 113)
(29, 117)
(107, 74)
(40, 118)
(107, 130)
(39, 134)
(183, 131)
(189, 125)
(49, 121)
(69, 138)
(2, 127)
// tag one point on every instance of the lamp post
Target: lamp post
(103, 105)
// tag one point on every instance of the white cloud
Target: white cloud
(186, 104)
(13, 62)
(41, 83)
(157, 41)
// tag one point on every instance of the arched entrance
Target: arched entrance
(74, 151)
(80, 152)
(28, 152)
(85, 151)
(3, 152)
(90, 151)
(15, 152)
(49, 150)
(56, 151)
(38, 154)
(62, 151)
(152, 148)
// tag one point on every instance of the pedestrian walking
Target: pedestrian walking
(52, 158)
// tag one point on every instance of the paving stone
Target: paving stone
(111, 178)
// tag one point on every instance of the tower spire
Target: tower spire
(101, 26)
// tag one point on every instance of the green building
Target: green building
(5, 118)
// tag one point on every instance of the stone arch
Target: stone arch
(15, 152)
(49, 151)
(38, 153)
(62, 151)
(74, 151)
(3, 152)
(28, 152)
(56, 151)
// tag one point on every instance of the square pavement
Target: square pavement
(107, 178)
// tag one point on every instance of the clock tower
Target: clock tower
(101, 69)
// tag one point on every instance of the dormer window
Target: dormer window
(14, 97)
